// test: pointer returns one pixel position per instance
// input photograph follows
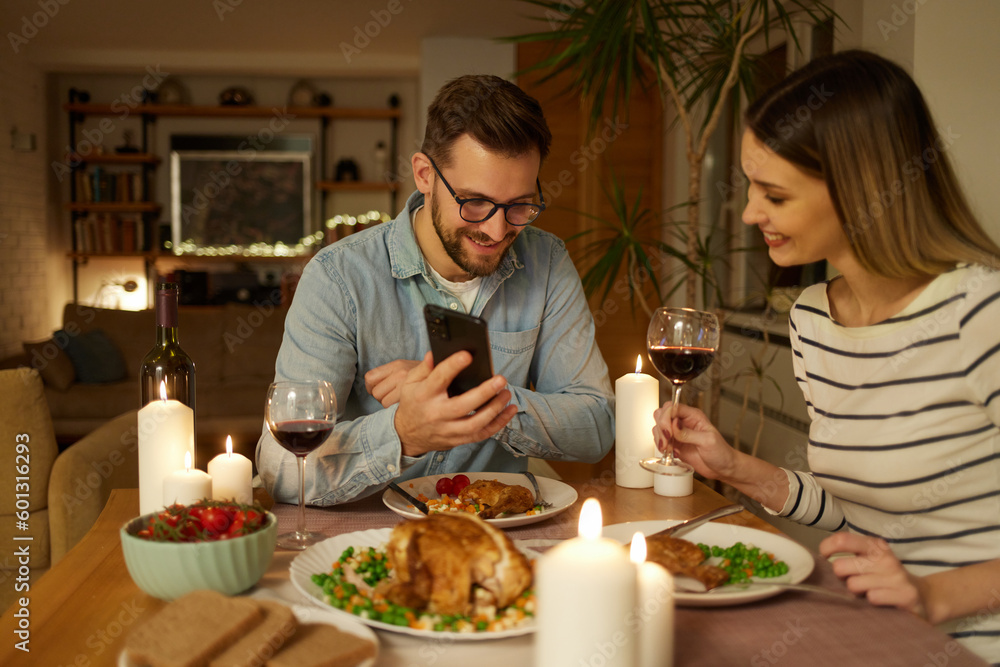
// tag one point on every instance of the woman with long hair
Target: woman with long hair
(898, 355)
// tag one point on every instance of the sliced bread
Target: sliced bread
(318, 645)
(262, 641)
(191, 630)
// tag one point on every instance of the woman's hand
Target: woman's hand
(874, 572)
(695, 441)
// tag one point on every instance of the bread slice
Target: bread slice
(261, 641)
(319, 645)
(192, 630)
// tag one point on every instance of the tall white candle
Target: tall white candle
(232, 475)
(637, 396)
(586, 589)
(654, 614)
(183, 487)
(166, 432)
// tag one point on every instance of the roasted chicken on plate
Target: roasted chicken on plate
(499, 498)
(681, 557)
(453, 564)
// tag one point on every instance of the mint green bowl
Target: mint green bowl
(168, 570)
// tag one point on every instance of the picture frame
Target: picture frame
(228, 192)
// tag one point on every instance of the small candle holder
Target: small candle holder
(673, 481)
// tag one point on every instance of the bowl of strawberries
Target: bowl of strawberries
(210, 544)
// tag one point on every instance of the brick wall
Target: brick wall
(24, 300)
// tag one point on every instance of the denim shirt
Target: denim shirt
(359, 304)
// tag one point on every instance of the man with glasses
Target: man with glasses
(463, 241)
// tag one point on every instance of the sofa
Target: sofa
(90, 369)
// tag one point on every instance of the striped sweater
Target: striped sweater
(904, 442)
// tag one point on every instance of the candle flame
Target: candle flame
(638, 364)
(229, 446)
(163, 391)
(637, 552)
(187, 461)
(590, 519)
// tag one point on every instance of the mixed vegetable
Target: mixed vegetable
(366, 567)
(744, 562)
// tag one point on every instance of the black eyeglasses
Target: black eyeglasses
(480, 210)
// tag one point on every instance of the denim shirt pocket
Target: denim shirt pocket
(512, 354)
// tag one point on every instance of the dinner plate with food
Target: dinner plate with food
(452, 576)
(504, 499)
(721, 556)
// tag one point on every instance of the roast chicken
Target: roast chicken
(453, 564)
(681, 557)
(499, 498)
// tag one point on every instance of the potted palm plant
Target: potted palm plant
(696, 54)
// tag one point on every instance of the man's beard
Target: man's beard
(475, 266)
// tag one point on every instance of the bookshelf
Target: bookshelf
(114, 212)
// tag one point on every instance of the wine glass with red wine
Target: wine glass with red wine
(681, 344)
(300, 416)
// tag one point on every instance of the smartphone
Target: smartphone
(450, 332)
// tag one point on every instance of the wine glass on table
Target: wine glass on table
(681, 344)
(300, 416)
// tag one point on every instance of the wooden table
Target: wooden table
(82, 608)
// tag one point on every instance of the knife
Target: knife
(421, 506)
(688, 525)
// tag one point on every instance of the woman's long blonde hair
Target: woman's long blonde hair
(859, 122)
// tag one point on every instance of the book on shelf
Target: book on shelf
(101, 185)
(107, 233)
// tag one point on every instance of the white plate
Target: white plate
(305, 614)
(561, 495)
(800, 561)
(319, 558)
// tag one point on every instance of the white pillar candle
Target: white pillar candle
(166, 432)
(232, 476)
(183, 487)
(586, 589)
(654, 616)
(637, 396)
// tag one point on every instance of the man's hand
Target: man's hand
(383, 382)
(429, 420)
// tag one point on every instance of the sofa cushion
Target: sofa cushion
(52, 362)
(96, 359)
(132, 332)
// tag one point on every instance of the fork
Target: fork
(538, 494)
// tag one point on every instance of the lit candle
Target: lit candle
(637, 396)
(166, 432)
(586, 589)
(653, 620)
(183, 487)
(232, 475)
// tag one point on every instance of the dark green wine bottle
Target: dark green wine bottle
(167, 363)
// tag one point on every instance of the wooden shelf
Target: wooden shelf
(116, 158)
(234, 111)
(156, 256)
(113, 207)
(356, 186)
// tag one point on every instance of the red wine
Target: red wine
(681, 364)
(301, 436)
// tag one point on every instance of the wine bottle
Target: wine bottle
(167, 363)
